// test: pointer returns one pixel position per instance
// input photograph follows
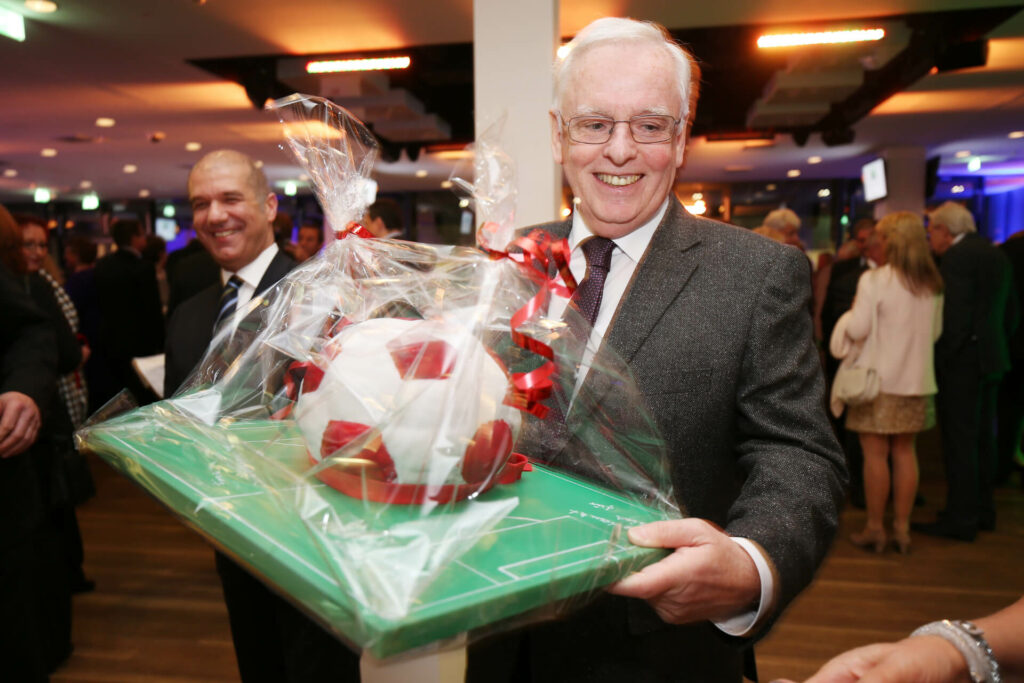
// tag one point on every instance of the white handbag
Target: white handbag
(857, 381)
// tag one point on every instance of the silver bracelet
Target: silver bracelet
(970, 641)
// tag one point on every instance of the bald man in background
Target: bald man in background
(233, 213)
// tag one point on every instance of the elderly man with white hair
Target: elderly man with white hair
(970, 357)
(713, 322)
(788, 223)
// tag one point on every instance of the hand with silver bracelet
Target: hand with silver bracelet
(940, 652)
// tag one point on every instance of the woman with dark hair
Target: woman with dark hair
(904, 299)
(63, 477)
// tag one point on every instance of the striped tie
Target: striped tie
(228, 301)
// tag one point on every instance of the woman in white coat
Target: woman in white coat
(907, 292)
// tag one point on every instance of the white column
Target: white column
(904, 177)
(514, 46)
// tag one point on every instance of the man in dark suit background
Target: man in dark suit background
(839, 293)
(713, 322)
(970, 357)
(233, 209)
(1011, 388)
(233, 212)
(131, 316)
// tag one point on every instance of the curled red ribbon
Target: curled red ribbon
(544, 260)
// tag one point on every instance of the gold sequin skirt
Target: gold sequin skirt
(889, 414)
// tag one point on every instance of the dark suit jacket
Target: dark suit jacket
(715, 328)
(975, 325)
(1014, 250)
(28, 360)
(191, 326)
(842, 287)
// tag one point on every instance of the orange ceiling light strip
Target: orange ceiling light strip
(820, 38)
(334, 66)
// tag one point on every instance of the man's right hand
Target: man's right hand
(19, 423)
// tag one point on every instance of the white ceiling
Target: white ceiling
(126, 59)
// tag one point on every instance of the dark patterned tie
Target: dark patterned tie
(588, 295)
(228, 301)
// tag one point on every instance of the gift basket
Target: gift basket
(394, 436)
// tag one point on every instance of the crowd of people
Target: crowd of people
(754, 459)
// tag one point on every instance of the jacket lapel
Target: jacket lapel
(667, 265)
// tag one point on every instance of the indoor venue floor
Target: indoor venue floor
(157, 614)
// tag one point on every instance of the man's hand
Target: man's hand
(19, 423)
(708, 577)
(922, 659)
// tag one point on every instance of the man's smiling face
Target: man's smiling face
(620, 184)
(232, 222)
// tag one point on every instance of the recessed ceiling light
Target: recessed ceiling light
(793, 173)
(697, 195)
(463, 203)
(258, 163)
(130, 168)
(814, 160)
(422, 173)
(1016, 134)
(48, 152)
(974, 164)
(193, 146)
(105, 122)
(824, 192)
(85, 184)
(43, 6)
(143, 193)
(446, 184)
(962, 154)
(770, 187)
(10, 173)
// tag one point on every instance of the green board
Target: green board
(563, 538)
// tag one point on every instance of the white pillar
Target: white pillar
(514, 46)
(904, 178)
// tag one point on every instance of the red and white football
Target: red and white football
(409, 402)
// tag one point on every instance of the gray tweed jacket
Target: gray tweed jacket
(716, 331)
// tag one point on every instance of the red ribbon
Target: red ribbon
(353, 228)
(538, 252)
(379, 491)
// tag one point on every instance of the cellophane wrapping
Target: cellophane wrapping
(357, 437)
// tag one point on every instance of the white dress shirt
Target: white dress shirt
(629, 250)
(250, 275)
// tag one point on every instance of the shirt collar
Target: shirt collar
(959, 238)
(633, 244)
(252, 272)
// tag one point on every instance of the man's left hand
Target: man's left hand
(707, 577)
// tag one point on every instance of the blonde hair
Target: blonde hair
(906, 250)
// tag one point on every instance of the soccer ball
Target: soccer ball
(407, 402)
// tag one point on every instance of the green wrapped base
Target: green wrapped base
(564, 538)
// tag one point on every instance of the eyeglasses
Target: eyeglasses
(28, 246)
(597, 130)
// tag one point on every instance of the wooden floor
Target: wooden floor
(157, 614)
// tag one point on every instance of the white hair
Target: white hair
(957, 219)
(783, 219)
(611, 30)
